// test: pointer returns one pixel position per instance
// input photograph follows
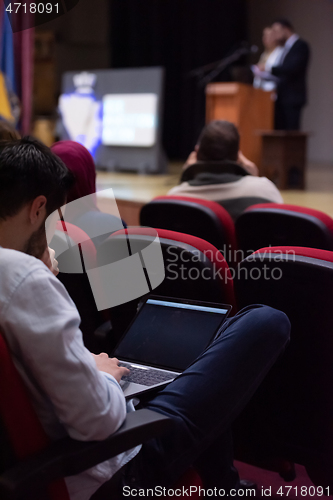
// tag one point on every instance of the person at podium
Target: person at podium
(217, 171)
(289, 73)
(268, 59)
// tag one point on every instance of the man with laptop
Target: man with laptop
(79, 394)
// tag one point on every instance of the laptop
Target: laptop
(164, 338)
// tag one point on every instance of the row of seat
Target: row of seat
(290, 417)
(271, 251)
(259, 226)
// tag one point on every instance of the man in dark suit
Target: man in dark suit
(291, 73)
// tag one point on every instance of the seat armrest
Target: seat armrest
(68, 457)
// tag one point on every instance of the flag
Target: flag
(9, 102)
(9, 107)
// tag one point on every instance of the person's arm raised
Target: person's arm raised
(192, 158)
(249, 166)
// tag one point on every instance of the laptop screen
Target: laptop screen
(169, 334)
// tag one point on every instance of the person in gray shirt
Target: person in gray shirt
(218, 171)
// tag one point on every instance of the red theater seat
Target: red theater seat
(291, 415)
(206, 274)
(21, 430)
(274, 224)
(194, 269)
(196, 216)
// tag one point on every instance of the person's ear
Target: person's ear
(38, 209)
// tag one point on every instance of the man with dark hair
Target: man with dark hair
(77, 393)
(218, 171)
(285, 23)
(291, 72)
(28, 169)
(212, 148)
(33, 184)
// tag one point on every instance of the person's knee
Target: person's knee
(271, 323)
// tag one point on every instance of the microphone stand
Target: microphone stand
(218, 67)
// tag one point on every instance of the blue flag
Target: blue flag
(8, 91)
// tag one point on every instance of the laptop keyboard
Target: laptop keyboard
(146, 377)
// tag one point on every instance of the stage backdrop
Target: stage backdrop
(179, 35)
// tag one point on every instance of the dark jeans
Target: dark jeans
(287, 117)
(205, 399)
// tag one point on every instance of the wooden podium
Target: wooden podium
(248, 108)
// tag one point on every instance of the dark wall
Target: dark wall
(81, 38)
(179, 35)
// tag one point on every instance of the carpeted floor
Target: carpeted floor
(275, 487)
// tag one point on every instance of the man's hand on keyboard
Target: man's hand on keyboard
(110, 365)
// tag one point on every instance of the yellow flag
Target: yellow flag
(5, 109)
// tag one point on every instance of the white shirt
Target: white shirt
(272, 60)
(70, 395)
(263, 79)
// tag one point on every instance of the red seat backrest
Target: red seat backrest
(24, 431)
(326, 219)
(273, 224)
(79, 237)
(218, 210)
(312, 253)
(208, 250)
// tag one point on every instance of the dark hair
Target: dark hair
(8, 132)
(285, 23)
(218, 141)
(29, 169)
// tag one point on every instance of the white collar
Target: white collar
(291, 40)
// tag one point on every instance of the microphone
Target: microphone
(252, 49)
(243, 48)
